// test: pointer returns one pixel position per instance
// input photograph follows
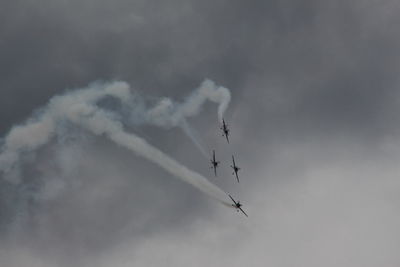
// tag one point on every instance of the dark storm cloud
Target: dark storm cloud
(298, 70)
(330, 55)
(332, 71)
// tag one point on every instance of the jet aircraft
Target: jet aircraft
(235, 169)
(214, 163)
(238, 206)
(225, 130)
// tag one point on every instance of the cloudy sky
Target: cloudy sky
(313, 115)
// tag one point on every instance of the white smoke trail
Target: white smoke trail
(193, 136)
(99, 123)
(169, 114)
(38, 130)
(79, 107)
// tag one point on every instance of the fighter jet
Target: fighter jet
(235, 169)
(225, 130)
(214, 163)
(237, 205)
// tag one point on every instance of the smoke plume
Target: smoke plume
(81, 107)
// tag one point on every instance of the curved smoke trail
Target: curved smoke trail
(81, 108)
(169, 114)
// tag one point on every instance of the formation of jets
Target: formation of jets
(215, 164)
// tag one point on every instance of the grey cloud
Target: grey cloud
(314, 126)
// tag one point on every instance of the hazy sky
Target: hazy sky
(314, 120)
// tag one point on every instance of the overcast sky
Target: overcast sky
(314, 121)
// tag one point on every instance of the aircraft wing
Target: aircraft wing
(215, 171)
(237, 177)
(243, 212)
(232, 199)
(233, 160)
(227, 138)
